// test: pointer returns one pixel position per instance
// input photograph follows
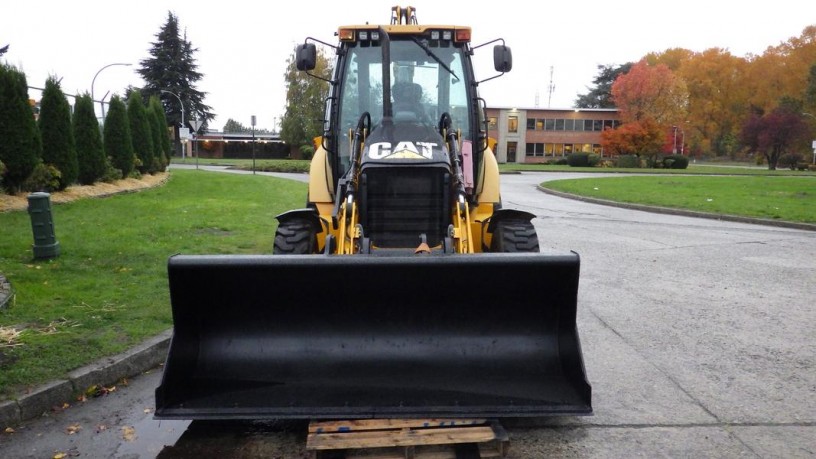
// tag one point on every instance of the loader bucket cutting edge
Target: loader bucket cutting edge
(308, 337)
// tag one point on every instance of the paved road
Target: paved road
(699, 340)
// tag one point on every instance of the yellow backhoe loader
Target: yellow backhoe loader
(403, 289)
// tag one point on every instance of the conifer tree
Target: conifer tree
(140, 133)
(172, 67)
(116, 137)
(20, 148)
(158, 127)
(88, 139)
(57, 135)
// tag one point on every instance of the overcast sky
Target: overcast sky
(243, 45)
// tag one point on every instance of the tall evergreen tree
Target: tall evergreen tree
(116, 137)
(90, 153)
(601, 95)
(20, 147)
(140, 133)
(172, 67)
(57, 134)
(158, 127)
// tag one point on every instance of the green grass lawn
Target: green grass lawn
(108, 289)
(780, 198)
(693, 169)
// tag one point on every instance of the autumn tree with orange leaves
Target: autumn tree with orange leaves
(650, 100)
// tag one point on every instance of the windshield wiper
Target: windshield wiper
(434, 56)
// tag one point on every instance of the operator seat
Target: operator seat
(407, 101)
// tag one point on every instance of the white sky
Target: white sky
(243, 44)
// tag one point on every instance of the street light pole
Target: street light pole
(252, 121)
(182, 116)
(814, 142)
(674, 144)
(94, 81)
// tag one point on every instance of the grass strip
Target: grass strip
(783, 198)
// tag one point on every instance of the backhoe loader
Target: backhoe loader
(403, 288)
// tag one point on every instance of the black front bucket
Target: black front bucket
(342, 337)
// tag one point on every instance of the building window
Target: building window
(512, 124)
(535, 149)
(559, 124)
(588, 125)
(569, 125)
(548, 149)
(549, 124)
(539, 124)
(531, 124)
(597, 125)
(559, 149)
(579, 125)
(596, 148)
(491, 122)
(568, 149)
(530, 149)
(608, 124)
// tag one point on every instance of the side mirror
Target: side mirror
(502, 58)
(306, 56)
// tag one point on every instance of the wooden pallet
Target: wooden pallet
(407, 438)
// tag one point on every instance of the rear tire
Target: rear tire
(514, 235)
(295, 236)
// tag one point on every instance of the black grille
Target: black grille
(397, 205)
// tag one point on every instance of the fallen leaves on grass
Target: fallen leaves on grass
(9, 337)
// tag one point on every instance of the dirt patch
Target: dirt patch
(72, 193)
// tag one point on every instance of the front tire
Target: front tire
(514, 235)
(295, 236)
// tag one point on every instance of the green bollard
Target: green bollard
(45, 241)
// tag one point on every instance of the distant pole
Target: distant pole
(253, 144)
(674, 144)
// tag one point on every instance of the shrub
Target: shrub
(578, 160)
(3, 171)
(790, 160)
(306, 151)
(675, 162)
(561, 161)
(45, 177)
(58, 148)
(161, 139)
(628, 161)
(116, 137)
(593, 160)
(90, 154)
(20, 147)
(140, 133)
(111, 173)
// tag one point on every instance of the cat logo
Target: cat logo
(403, 150)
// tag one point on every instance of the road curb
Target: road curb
(682, 212)
(105, 372)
